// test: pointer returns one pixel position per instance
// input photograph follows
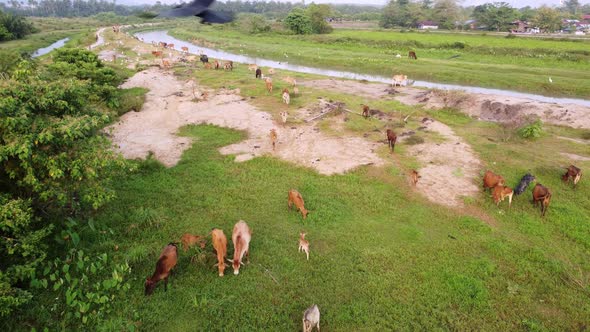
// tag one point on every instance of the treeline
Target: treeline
(14, 26)
(67, 8)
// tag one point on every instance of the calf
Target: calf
(414, 176)
(216, 65)
(311, 318)
(399, 80)
(166, 262)
(391, 139)
(412, 55)
(184, 49)
(284, 116)
(290, 80)
(207, 65)
(220, 244)
(170, 46)
(268, 83)
(572, 174)
(241, 238)
(165, 63)
(499, 193)
(296, 198)
(490, 180)
(366, 111)
(542, 194)
(524, 183)
(228, 65)
(273, 138)
(258, 73)
(157, 54)
(252, 67)
(303, 244)
(295, 90)
(286, 97)
(189, 240)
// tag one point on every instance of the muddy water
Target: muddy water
(45, 50)
(157, 36)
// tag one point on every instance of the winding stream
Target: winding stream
(45, 50)
(163, 36)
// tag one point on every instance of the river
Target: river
(45, 50)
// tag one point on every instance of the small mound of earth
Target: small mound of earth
(451, 168)
(169, 106)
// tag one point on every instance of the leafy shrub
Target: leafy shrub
(131, 100)
(298, 22)
(531, 131)
(253, 23)
(90, 284)
(21, 251)
(14, 27)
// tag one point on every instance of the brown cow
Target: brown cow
(184, 49)
(189, 240)
(296, 198)
(273, 138)
(366, 111)
(412, 55)
(228, 65)
(241, 237)
(391, 139)
(216, 65)
(414, 176)
(220, 244)
(166, 262)
(157, 54)
(268, 82)
(170, 46)
(542, 194)
(499, 193)
(286, 96)
(490, 180)
(573, 174)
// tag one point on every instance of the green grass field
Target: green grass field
(521, 64)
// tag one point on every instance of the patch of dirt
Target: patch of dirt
(371, 90)
(575, 157)
(169, 106)
(575, 140)
(451, 167)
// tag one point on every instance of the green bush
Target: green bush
(298, 22)
(531, 131)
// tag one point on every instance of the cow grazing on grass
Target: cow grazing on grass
(303, 244)
(542, 194)
(166, 63)
(273, 138)
(204, 59)
(258, 73)
(296, 198)
(166, 262)
(241, 237)
(189, 240)
(391, 139)
(216, 65)
(252, 67)
(524, 183)
(284, 116)
(412, 55)
(490, 180)
(414, 176)
(399, 80)
(228, 65)
(162, 44)
(157, 54)
(184, 49)
(170, 46)
(311, 319)
(573, 174)
(499, 193)
(286, 97)
(366, 111)
(268, 82)
(220, 244)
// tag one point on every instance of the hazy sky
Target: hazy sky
(514, 3)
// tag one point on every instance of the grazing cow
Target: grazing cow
(162, 44)
(499, 193)
(290, 80)
(268, 82)
(286, 97)
(166, 262)
(258, 73)
(284, 116)
(391, 139)
(573, 174)
(204, 59)
(296, 198)
(165, 63)
(311, 319)
(414, 176)
(241, 237)
(216, 65)
(412, 55)
(490, 180)
(271, 71)
(184, 49)
(157, 54)
(399, 80)
(542, 194)
(229, 65)
(207, 65)
(273, 138)
(220, 244)
(366, 111)
(170, 46)
(524, 183)
(189, 240)
(303, 244)
(252, 67)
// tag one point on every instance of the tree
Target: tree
(496, 16)
(446, 13)
(14, 27)
(318, 15)
(401, 13)
(547, 19)
(572, 6)
(253, 23)
(298, 22)
(526, 13)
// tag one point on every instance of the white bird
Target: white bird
(550, 80)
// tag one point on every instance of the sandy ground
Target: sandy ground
(575, 157)
(483, 106)
(169, 106)
(451, 168)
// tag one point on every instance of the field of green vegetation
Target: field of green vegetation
(382, 256)
(520, 64)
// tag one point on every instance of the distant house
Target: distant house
(523, 27)
(586, 17)
(425, 25)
